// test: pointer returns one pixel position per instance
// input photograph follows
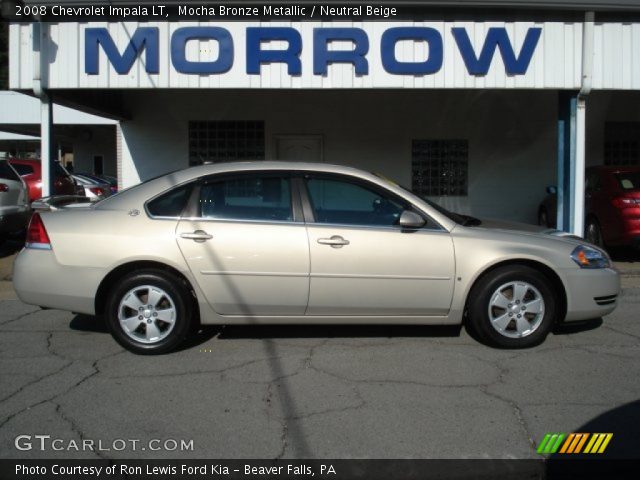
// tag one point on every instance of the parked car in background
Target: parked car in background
(112, 181)
(94, 187)
(14, 201)
(302, 243)
(31, 171)
(612, 206)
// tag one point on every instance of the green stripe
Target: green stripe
(558, 442)
(544, 442)
(550, 443)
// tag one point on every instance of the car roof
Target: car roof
(135, 197)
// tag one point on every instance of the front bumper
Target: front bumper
(591, 293)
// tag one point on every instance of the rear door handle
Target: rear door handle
(197, 236)
(336, 241)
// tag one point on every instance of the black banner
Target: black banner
(323, 469)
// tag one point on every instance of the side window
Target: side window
(266, 198)
(7, 173)
(593, 182)
(170, 204)
(343, 202)
(23, 169)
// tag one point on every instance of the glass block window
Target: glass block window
(225, 141)
(621, 143)
(439, 167)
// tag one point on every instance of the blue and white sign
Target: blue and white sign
(310, 55)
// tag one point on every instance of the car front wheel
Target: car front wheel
(149, 312)
(512, 307)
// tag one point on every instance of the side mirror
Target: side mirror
(552, 190)
(409, 219)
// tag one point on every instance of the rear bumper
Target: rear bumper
(40, 280)
(591, 293)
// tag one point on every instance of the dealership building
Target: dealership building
(478, 106)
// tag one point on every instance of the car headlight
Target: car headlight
(589, 257)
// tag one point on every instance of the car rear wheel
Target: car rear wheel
(512, 307)
(593, 233)
(149, 312)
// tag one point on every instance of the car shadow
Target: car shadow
(93, 324)
(570, 328)
(337, 331)
(624, 254)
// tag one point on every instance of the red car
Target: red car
(612, 206)
(31, 171)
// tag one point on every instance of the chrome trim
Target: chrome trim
(381, 277)
(254, 274)
(396, 228)
(233, 220)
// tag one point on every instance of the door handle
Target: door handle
(197, 236)
(336, 241)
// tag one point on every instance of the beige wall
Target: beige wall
(511, 134)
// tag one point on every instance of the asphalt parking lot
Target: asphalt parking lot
(317, 392)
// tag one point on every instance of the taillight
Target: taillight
(4, 187)
(96, 191)
(37, 236)
(626, 202)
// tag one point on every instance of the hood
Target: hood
(525, 228)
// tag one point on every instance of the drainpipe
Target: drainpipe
(577, 225)
(40, 32)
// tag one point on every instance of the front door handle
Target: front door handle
(336, 241)
(197, 236)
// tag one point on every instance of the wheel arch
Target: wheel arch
(124, 269)
(547, 271)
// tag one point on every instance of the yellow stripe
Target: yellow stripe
(567, 442)
(598, 442)
(583, 439)
(606, 442)
(591, 442)
(575, 442)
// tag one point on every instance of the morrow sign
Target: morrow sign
(145, 42)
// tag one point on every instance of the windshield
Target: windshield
(116, 194)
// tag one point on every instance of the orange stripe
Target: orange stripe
(567, 442)
(574, 443)
(598, 442)
(584, 439)
(606, 442)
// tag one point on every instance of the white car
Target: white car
(296, 243)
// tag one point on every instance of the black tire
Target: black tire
(176, 296)
(481, 296)
(543, 218)
(593, 232)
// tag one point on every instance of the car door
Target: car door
(246, 245)
(362, 262)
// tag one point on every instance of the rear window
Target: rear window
(23, 169)
(7, 173)
(171, 203)
(629, 180)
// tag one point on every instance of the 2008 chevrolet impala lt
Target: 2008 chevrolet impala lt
(291, 243)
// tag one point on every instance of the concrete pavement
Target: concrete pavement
(316, 392)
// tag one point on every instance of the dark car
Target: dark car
(31, 171)
(612, 206)
(112, 181)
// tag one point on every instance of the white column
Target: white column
(577, 228)
(46, 146)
